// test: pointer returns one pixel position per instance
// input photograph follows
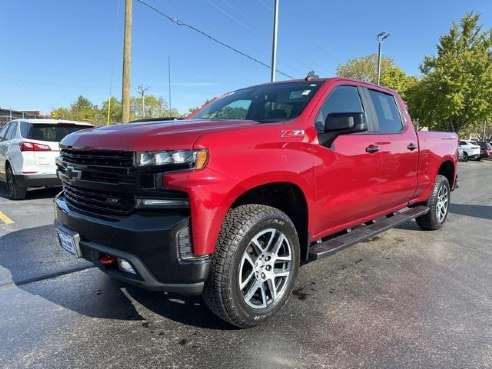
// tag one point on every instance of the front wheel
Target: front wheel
(254, 266)
(438, 206)
(465, 157)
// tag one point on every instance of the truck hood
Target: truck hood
(175, 135)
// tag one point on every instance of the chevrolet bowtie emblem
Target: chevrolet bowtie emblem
(73, 173)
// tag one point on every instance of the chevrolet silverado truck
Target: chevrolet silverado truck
(230, 201)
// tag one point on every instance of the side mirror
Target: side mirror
(342, 123)
(345, 123)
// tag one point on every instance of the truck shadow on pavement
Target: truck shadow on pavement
(476, 211)
(32, 260)
(41, 193)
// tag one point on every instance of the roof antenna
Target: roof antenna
(311, 76)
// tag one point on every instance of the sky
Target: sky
(55, 50)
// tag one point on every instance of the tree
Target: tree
(155, 107)
(456, 88)
(112, 106)
(61, 113)
(84, 110)
(365, 69)
(196, 108)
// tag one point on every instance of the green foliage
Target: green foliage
(196, 108)
(365, 69)
(155, 107)
(61, 113)
(456, 89)
(111, 111)
(84, 110)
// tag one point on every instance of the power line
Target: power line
(180, 23)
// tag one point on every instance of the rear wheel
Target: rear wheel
(254, 267)
(16, 192)
(438, 206)
(465, 156)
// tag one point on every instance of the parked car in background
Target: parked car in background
(485, 150)
(471, 151)
(28, 148)
(460, 153)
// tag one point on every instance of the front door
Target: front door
(347, 171)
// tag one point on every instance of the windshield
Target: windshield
(48, 132)
(266, 103)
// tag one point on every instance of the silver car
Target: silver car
(28, 148)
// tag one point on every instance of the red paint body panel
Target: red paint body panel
(343, 185)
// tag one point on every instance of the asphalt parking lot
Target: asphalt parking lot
(405, 299)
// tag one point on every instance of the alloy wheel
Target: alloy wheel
(265, 268)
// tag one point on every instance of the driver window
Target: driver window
(343, 99)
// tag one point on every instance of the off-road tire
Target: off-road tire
(16, 192)
(222, 292)
(438, 206)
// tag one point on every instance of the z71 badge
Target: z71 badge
(292, 133)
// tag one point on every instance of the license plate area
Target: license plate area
(69, 240)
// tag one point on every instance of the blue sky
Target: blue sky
(56, 50)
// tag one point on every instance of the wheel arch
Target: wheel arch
(285, 196)
(447, 169)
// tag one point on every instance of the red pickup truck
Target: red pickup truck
(229, 202)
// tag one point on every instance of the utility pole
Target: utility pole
(127, 45)
(142, 90)
(274, 44)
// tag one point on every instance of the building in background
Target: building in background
(7, 115)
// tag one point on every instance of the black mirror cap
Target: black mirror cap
(345, 123)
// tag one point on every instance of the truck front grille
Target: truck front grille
(101, 158)
(101, 202)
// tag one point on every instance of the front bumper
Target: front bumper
(148, 240)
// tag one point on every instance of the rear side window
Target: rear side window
(11, 130)
(389, 119)
(48, 132)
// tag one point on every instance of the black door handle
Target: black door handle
(412, 147)
(372, 149)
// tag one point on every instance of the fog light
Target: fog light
(125, 266)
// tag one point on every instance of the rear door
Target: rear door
(398, 145)
(347, 171)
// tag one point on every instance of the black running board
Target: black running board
(333, 245)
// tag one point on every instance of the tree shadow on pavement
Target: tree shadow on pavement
(32, 260)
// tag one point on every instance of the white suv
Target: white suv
(28, 148)
(470, 150)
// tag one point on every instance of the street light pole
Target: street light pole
(274, 43)
(381, 37)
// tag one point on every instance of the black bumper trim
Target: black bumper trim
(37, 180)
(148, 281)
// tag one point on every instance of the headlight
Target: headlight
(196, 159)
